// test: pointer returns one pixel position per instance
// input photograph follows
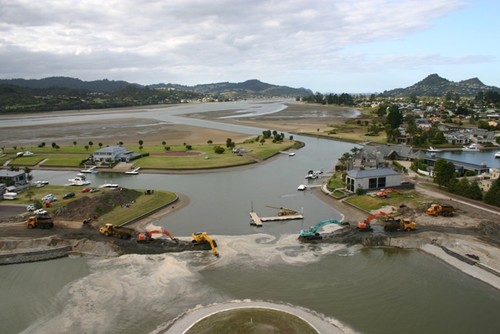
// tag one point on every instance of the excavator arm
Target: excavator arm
(201, 237)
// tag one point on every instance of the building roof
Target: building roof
(111, 149)
(376, 172)
(10, 173)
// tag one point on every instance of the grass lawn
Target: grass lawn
(252, 321)
(158, 158)
(366, 202)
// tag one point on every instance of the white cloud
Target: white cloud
(197, 41)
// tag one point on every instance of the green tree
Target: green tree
(91, 143)
(394, 117)
(100, 145)
(443, 172)
(492, 196)
(474, 191)
(141, 142)
(209, 142)
(229, 143)
(74, 143)
(219, 149)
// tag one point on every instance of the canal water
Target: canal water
(368, 291)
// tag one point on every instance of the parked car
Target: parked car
(86, 190)
(69, 195)
(40, 212)
(31, 207)
(49, 197)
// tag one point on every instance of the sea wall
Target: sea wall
(33, 255)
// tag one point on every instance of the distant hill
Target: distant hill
(249, 88)
(434, 85)
(103, 86)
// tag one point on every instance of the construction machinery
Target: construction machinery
(284, 211)
(312, 233)
(44, 221)
(117, 231)
(365, 226)
(148, 236)
(405, 224)
(440, 210)
(201, 238)
(384, 193)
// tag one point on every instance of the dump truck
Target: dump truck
(440, 210)
(405, 224)
(44, 221)
(117, 231)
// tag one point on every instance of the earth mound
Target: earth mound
(95, 206)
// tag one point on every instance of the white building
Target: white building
(372, 179)
(110, 153)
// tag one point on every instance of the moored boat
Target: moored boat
(471, 148)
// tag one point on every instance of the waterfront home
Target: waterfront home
(16, 178)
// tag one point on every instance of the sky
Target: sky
(328, 46)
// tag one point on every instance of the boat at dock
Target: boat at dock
(135, 171)
(497, 155)
(433, 150)
(90, 170)
(79, 180)
(471, 148)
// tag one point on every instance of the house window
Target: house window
(350, 184)
(372, 183)
(381, 182)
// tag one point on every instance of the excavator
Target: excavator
(284, 211)
(201, 238)
(384, 193)
(312, 233)
(364, 226)
(148, 236)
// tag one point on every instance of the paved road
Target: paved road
(190, 318)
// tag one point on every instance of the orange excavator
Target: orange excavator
(383, 193)
(364, 225)
(148, 236)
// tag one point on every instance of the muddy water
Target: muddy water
(369, 291)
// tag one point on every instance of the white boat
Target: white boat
(497, 155)
(301, 187)
(79, 180)
(135, 171)
(109, 185)
(90, 170)
(433, 150)
(471, 148)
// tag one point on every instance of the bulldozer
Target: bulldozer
(201, 238)
(405, 224)
(284, 211)
(44, 221)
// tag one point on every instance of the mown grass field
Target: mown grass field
(155, 157)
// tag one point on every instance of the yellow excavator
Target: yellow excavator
(200, 238)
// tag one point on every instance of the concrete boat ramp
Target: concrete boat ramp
(257, 221)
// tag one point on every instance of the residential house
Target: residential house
(486, 180)
(114, 154)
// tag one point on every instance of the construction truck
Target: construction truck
(44, 221)
(405, 224)
(201, 238)
(144, 237)
(313, 234)
(117, 231)
(440, 210)
(365, 225)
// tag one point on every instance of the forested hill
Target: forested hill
(62, 93)
(434, 85)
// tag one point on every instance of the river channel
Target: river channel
(366, 290)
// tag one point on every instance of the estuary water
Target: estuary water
(366, 291)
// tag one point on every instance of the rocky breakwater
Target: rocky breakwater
(21, 251)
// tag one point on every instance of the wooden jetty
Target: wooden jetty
(257, 221)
